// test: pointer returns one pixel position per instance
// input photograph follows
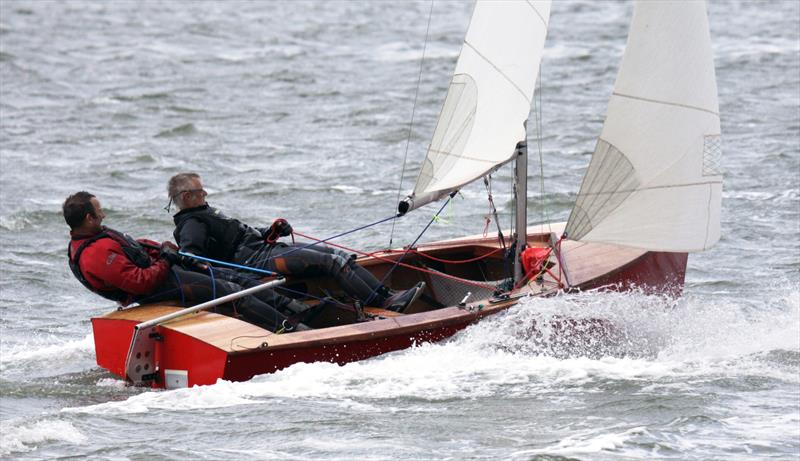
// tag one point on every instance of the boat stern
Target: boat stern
(180, 356)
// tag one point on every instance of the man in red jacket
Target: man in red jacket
(117, 267)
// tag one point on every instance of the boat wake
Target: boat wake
(648, 345)
(645, 339)
(26, 437)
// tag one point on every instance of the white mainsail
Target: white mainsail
(488, 100)
(654, 181)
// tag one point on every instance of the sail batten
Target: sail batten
(499, 71)
(488, 100)
(654, 180)
(668, 103)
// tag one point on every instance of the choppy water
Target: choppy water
(302, 110)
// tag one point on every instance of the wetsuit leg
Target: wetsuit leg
(284, 304)
(192, 288)
(315, 261)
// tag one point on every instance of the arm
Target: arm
(105, 265)
(194, 237)
(151, 247)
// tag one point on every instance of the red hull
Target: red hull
(264, 352)
(242, 367)
(651, 273)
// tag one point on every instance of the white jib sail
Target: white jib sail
(654, 181)
(489, 97)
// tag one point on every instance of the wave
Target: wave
(15, 439)
(183, 130)
(22, 220)
(400, 52)
(655, 341)
(42, 353)
(586, 443)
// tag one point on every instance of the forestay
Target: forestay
(488, 100)
(654, 181)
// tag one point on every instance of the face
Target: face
(95, 222)
(195, 195)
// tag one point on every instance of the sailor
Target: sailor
(119, 268)
(205, 231)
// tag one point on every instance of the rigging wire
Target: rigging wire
(411, 123)
(410, 247)
(487, 181)
(376, 255)
(538, 114)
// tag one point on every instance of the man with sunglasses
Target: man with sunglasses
(205, 231)
(119, 268)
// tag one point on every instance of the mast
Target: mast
(520, 204)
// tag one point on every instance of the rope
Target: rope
(408, 266)
(223, 263)
(338, 235)
(543, 269)
(330, 299)
(400, 259)
(554, 249)
(487, 181)
(413, 111)
(450, 261)
(213, 282)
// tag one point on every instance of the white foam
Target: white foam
(26, 438)
(111, 382)
(400, 52)
(200, 397)
(46, 349)
(659, 343)
(709, 332)
(14, 222)
(347, 189)
(586, 443)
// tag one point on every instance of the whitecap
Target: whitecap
(219, 395)
(26, 438)
(112, 383)
(347, 189)
(587, 443)
(400, 51)
(45, 349)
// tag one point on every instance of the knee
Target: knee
(339, 263)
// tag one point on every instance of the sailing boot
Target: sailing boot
(295, 308)
(400, 301)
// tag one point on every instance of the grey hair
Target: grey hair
(178, 183)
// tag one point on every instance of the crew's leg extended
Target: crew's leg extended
(356, 281)
(193, 288)
(288, 306)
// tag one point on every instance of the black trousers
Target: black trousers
(316, 261)
(192, 288)
(287, 306)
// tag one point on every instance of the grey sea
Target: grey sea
(306, 110)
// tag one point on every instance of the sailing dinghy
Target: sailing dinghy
(650, 196)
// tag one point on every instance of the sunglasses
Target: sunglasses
(172, 197)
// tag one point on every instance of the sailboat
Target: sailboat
(651, 195)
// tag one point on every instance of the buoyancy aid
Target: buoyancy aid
(133, 250)
(223, 234)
